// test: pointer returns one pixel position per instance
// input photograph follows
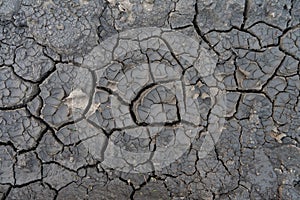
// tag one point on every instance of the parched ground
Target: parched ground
(149, 99)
